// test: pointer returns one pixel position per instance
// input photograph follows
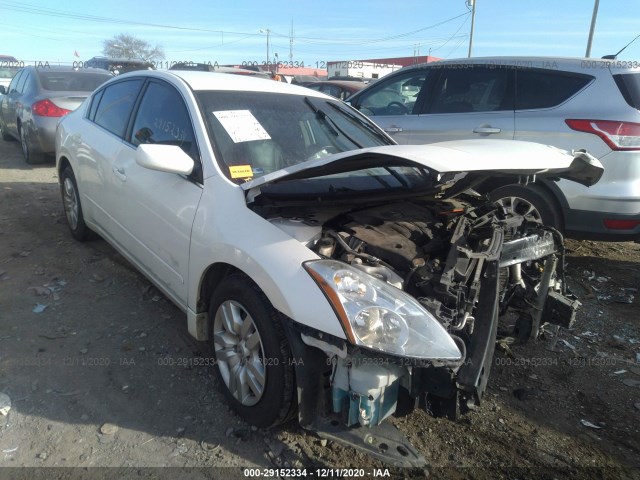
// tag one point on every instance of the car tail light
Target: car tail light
(618, 135)
(46, 108)
(621, 224)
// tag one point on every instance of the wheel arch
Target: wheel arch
(548, 189)
(211, 278)
(63, 162)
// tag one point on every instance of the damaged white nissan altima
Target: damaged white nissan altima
(338, 277)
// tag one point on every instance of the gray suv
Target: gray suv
(570, 103)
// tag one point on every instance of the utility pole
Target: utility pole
(593, 27)
(472, 4)
(291, 43)
(267, 31)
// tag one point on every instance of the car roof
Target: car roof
(223, 81)
(65, 68)
(572, 63)
(117, 60)
(342, 83)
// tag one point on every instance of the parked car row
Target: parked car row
(334, 274)
(546, 100)
(35, 100)
(568, 103)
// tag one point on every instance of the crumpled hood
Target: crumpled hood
(498, 157)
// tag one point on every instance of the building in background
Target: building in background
(373, 68)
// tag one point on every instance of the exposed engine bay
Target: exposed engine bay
(466, 266)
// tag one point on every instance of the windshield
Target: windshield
(256, 133)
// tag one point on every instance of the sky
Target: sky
(236, 32)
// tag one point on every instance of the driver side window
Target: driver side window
(163, 119)
(397, 96)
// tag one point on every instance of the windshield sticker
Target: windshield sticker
(241, 171)
(242, 126)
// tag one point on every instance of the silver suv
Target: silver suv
(570, 103)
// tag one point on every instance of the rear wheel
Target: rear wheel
(3, 131)
(254, 366)
(72, 206)
(531, 201)
(30, 157)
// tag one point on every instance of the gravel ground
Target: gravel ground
(106, 375)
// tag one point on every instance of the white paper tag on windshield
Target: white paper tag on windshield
(241, 125)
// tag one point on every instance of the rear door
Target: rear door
(102, 143)
(468, 101)
(543, 103)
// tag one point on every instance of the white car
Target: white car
(335, 274)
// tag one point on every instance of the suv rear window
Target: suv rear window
(546, 88)
(629, 85)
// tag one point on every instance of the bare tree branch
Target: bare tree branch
(128, 46)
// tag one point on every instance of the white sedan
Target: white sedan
(337, 276)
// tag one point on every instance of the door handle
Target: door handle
(393, 129)
(119, 172)
(486, 130)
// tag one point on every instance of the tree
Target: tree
(128, 46)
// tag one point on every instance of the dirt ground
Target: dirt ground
(104, 375)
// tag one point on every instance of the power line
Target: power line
(322, 41)
(454, 34)
(50, 12)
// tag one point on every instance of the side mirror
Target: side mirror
(164, 158)
(3, 90)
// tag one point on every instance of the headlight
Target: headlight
(377, 315)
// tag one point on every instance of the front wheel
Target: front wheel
(254, 366)
(531, 201)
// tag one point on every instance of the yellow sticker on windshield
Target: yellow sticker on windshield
(241, 171)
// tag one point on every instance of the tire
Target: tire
(30, 157)
(253, 366)
(531, 201)
(3, 131)
(72, 206)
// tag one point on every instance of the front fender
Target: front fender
(226, 231)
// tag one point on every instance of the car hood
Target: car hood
(474, 157)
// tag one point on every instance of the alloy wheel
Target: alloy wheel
(239, 353)
(24, 144)
(70, 200)
(519, 206)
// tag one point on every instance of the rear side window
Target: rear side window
(116, 104)
(22, 81)
(13, 86)
(629, 85)
(95, 101)
(472, 89)
(546, 88)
